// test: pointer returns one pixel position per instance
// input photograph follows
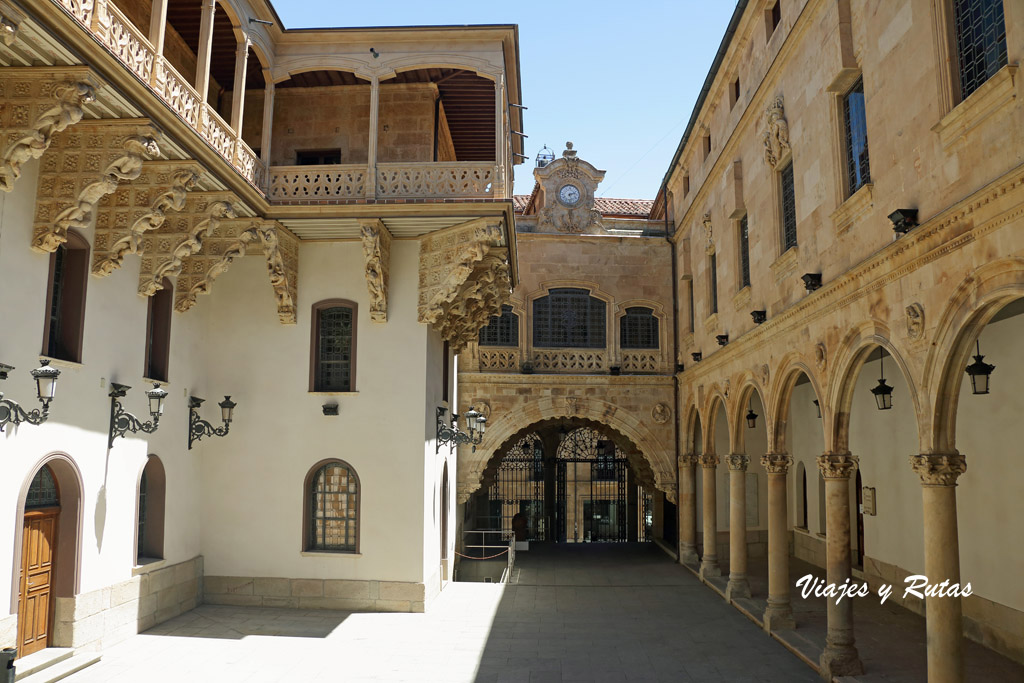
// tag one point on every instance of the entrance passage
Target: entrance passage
(39, 541)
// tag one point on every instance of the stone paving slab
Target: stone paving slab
(590, 613)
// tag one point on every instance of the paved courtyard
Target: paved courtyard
(584, 613)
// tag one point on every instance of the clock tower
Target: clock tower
(565, 190)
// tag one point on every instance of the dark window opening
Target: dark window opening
(980, 41)
(686, 185)
(158, 333)
(502, 330)
(65, 311)
(142, 516)
(569, 318)
(735, 92)
(317, 157)
(445, 370)
(788, 208)
(638, 329)
(692, 313)
(855, 120)
(707, 146)
(774, 17)
(334, 352)
(714, 283)
(744, 254)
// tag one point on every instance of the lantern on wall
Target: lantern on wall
(883, 392)
(979, 371)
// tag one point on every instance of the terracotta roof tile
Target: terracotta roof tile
(624, 207)
(519, 202)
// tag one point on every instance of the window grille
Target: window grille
(788, 208)
(744, 253)
(569, 318)
(42, 492)
(53, 345)
(142, 515)
(334, 508)
(502, 330)
(980, 41)
(638, 329)
(854, 118)
(334, 349)
(692, 313)
(714, 283)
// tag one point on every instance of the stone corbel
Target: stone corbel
(69, 170)
(62, 105)
(127, 215)
(480, 297)
(377, 253)
(281, 249)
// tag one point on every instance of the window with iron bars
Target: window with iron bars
(855, 122)
(980, 41)
(744, 253)
(788, 208)
(569, 318)
(334, 349)
(638, 329)
(502, 330)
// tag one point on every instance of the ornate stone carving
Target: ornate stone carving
(318, 182)
(661, 413)
(282, 250)
(737, 461)
(463, 179)
(765, 375)
(218, 253)
(69, 187)
(34, 141)
(708, 234)
(572, 405)
(776, 463)
(686, 460)
(776, 136)
(576, 218)
(820, 355)
(570, 360)
(915, 320)
(726, 387)
(708, 460)
(377, 253)
(125, 216)
(837, 466)
(939, 469)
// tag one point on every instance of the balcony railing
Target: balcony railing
(570, 360)
(421, 180)
(339, 181)
(133, 49)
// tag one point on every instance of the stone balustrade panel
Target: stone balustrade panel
(465, 180)
(641, 361)
(342, 181)
(499, 360)
(218, 133)
(570, 360)
(128, 43)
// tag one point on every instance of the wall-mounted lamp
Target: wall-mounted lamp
(122, 422)
(330, 409)
(759, 316)
(198, 428)
(722, 339)
(696, 356)
(883, 392)
(46, 385)
(817, 407)
(680, 367)
(260, 21)
(751, 416)
(812, 281)
(448, 434)
(979, 371)
(903, 220)
(374, 53)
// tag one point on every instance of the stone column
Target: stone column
(779, 613)
(205, 48)
(268, 122)
(840, 657)
(158, 26)
(709, 565)
(941, 562)
(500, 136)
(371, 147)
(687, 510)
(238, 88)
(738, 586)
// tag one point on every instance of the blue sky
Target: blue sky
(619, 79)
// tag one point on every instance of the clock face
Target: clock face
(569, 195)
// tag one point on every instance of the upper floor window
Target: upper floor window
(158, 332)
(788, 207)
(744, 253)
(638, 329)
(569, 318)
(689, 292)
(713, 282)
(856, 127)
(332, 508)
(773, 17)
(334, 326)
(734, 92)
(317, 157)
(502, 330)
(980, 41)
(65, 299)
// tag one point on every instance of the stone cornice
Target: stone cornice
(939, 469)
(624, 381)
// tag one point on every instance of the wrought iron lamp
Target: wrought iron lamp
(903, 220)
(198, 428)
(759, 316)
(817, 407)
(883, 392)
(697, 356)
(722, 339)
(979, 371)
(122, 422)
(46, 385)
(751, 416)
(812, 281)
(449, 434)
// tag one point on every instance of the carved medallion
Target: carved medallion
(661, 413)
(915, 320)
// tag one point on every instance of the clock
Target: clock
(569, 195)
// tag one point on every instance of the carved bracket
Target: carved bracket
(377, 253)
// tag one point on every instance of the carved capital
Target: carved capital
(708, 460)
(776, 463)
(377, 254)
(737, 461)
(939, 470)
(687, 460)
(837, 466)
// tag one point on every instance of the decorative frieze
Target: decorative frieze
(837, 466)
(776, 134)
(377, 254)
(939, 469)
(570, 360)
(499, 360)
(776, 463)
(82, 166)
(641, 361)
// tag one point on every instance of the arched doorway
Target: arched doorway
(591, 476)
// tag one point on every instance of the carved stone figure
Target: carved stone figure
(776, 137)
(915, 320)
(820, 355)
(377, 253)
(709, 236)
(661, 413)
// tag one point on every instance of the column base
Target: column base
(688, 555)
(840, 660)
(709, 567)
(779, 617)
(738, 588)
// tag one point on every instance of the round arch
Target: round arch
(283, 70)
(790, 369)
(481, 67)
(691, 422)
(748, 388)
(716, 399)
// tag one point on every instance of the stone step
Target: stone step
(63, 669)
(37, 661)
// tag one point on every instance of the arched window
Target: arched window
(149, 539)
(638, 329)
(332, 508)
(502, 330)
(65, 300)
(42, 492)
(158, 332)
(569, 318)
(334, 346)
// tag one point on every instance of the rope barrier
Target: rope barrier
(482, 558)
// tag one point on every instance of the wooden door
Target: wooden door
(35, 599)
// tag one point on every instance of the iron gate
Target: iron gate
(518, 489)
(591, 505)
